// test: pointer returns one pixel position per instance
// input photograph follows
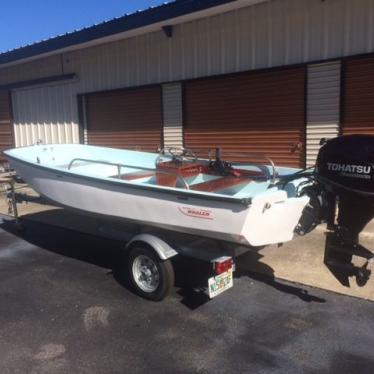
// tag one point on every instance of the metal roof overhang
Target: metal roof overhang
(135, 24)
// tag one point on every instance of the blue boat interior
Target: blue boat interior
(170, 171)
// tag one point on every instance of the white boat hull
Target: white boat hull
(270, 218)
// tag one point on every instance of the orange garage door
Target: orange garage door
(358, 104)
(259, 112)
(6, 134)
(129, 119)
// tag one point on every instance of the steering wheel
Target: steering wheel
(185, 153)
(177, 154)
(189, 154)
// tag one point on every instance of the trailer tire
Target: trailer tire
(150, 277)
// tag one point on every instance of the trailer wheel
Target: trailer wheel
(150, 277)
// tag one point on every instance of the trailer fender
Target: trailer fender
(162, 248)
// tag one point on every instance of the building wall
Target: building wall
(323, 106)
(44, 67)
(46, 113)
(172, 114)
(276, 33)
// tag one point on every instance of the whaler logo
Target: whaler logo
(352, 171)
(195, 212)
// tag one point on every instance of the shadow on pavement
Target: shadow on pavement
(65, 242)
(346, 362)
(301, 293)
(264, 273)
(108, 254)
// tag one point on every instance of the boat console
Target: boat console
(216, 175)
(167, 172)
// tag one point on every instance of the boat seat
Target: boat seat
(219, 184)
(168, 173)
(137, 175)
(253, 174)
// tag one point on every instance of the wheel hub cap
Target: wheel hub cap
(146, 274)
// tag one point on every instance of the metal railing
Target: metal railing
(119, 166)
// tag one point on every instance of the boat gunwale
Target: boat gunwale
(183, 194)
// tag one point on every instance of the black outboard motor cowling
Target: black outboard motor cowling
(347, 164)
(345, 172)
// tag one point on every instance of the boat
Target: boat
(252, 203)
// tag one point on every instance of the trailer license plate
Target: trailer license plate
(220, 283)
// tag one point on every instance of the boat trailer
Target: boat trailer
(7, 182)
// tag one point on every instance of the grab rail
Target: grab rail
(120, 166)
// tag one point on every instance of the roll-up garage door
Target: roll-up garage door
(6, 133)
(258, 112)
(358, 115)
(130, 119)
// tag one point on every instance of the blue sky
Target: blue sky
(27, 21)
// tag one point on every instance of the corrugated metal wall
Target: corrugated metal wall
(358, 110)
(323, 106)
(276, 33)
(172, 114)
(47, 66)
(46, 113)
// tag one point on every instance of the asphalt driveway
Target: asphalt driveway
(62, 310)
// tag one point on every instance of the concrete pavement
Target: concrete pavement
(301, 261)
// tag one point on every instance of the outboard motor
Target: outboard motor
(345, 173)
